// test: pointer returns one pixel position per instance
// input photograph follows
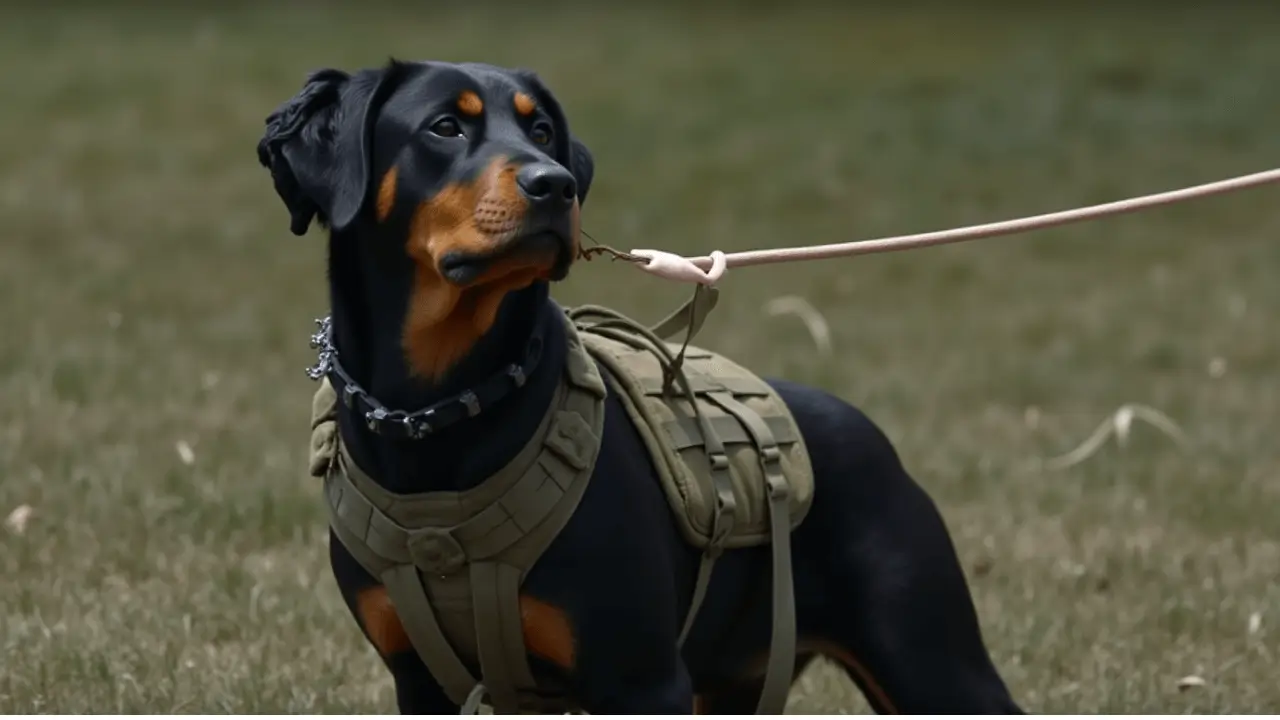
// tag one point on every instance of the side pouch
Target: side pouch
(324, 429)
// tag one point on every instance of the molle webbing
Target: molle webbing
(716, 430)
(727, 451)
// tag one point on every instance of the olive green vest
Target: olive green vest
(729, 457)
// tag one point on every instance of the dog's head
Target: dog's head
(470, 170)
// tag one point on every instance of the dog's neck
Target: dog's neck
(368, 306)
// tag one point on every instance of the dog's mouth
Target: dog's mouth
(546, 249)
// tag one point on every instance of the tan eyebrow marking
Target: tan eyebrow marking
(525, 105)
(470, 103)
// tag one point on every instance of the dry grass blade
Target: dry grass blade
(18, 518)
(1159, 420)
(1190, 681)
(1120, 423)
(185, 453)
(813, 320)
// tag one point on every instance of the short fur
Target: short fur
(441, 248)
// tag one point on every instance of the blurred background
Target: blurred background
(163, 549)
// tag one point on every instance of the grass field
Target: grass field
(171, 556)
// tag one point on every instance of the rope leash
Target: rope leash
(708, 269)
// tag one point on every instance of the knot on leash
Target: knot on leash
(675, 267)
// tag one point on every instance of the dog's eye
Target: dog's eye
(541, 133)
(446, 127)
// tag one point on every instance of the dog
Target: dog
(452, 196)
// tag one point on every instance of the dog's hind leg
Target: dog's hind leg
(897, 614)
(742, 697)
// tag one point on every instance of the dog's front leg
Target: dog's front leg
(601, 605)
(611, 632)
(417, 692)
(622, 679)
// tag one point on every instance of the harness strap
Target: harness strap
(526, 503)
(428, 639)
(350, 518)
(690, 315)
(779, 673)
(700, 585)
(723, 519)
(495, 589)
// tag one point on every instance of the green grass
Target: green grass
(153, 295)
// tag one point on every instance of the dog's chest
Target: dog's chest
(721, 439)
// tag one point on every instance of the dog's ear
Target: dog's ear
(582, 165)
(578, 158)
(317, 145)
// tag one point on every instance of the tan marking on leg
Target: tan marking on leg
(854, 667)
(547, 632)
(380, 621)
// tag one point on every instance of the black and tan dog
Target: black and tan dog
(452, 196)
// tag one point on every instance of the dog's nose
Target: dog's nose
(547, 185)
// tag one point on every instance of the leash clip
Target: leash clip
(675, 267)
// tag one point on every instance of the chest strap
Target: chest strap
(415, 544)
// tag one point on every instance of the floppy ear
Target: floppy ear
(317, 144)
(583, 167)
(578, 158)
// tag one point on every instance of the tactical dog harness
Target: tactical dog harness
(729, 457)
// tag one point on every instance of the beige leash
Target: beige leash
(706, 270)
